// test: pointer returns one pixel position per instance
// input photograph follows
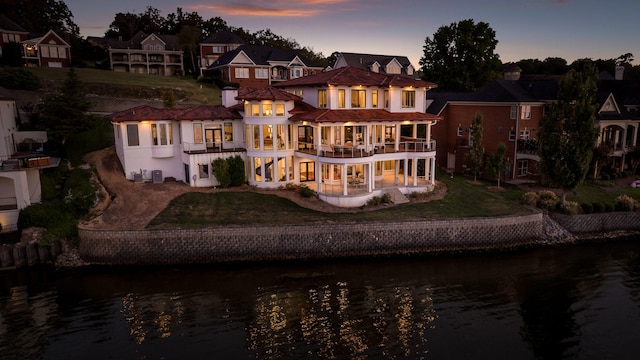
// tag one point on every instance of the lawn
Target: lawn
(464, 199)
(193, 91)
(603, 192)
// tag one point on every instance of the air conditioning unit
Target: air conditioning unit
(156, 176)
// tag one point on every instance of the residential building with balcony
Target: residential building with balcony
(348, 134)
(21, 159)
(145, 54)
(384, 64)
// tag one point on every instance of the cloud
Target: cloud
(274, 8)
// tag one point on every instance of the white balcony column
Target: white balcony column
(415, 172)
(406, 172)
(432, 175)
(344, 180)
(428, 139)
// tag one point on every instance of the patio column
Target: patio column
(428, 139)
(406, 172)
(415, 172)
(371, 180)
(344, 180)
(432, 175)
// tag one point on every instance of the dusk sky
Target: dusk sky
(525, 29)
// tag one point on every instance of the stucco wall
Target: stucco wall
(313, 241)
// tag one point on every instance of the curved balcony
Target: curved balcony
(162, 151)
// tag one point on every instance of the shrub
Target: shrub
(570, 208)
(19, 79)
(530, 198)
(608, 207)
(221, 171)
(625, 174)
(614, 176)
(306, 192)
(624, 203)
(386, 199)
(586, 208)
(236, 170)
(598, 207)
(547, 200)
(79, 192)
(605, 177)
(374, 201)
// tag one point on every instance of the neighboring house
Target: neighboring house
(384, 64)
(512, 110)
(260, 66)
(48, 50)
(511, 113)
(618, 117)
(20, 163)
(216, 45)
(10, 32)
(347, 134)
(145, 54)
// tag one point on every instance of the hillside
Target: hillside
(108, 87)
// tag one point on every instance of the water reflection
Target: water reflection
(580, 302)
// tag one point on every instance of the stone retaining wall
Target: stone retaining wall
(598, 223)
(312, 241)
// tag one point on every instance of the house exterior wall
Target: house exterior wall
(229, 74)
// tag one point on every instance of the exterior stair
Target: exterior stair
(397, 197)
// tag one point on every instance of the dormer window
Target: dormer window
(410, 70)
(375, 67)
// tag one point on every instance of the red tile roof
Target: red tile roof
(324, 115)
(202, 112)
(352, 76)
(267, 93)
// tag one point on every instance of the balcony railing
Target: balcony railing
(361, 150)
(208, 147)
(528, 146)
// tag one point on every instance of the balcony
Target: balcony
(363, 151)
(208, 147)
(528, 146)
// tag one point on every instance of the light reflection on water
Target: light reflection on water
(578, 302)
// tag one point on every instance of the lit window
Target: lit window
(267, 110)
(322, 98)
(228, 131)
(408, 99)
(358, 98)
(341, 100)
(374, 98)
(526, 112)
(197, 133)
(279, 109)
(255, 110)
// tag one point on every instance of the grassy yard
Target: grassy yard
(603, 192)
(242, 208)
(193, 92)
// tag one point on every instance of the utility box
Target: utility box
(137, 178)
(156, 176)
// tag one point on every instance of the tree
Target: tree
(634, 159)
(600, 155)
(461, 57)
(11, 54)
(188, 40)
(496, 162)
(62, 114)
(567, 130)
(169, 99)
(476, 148)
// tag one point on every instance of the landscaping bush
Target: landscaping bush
(236, 170)
(608, 207)
(586, 208)
(598, 207)
(624, 203)
(570, 208)
(221, 172)
(547, 200)
(605, 177)
(19, 79)
(374, 201)
(79, 192)
(530, 198)
(306, 192)
(386, 199)
(614, 176)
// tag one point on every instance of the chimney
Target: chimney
(229, 95)
(619, 72)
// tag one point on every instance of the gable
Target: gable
(152, 42)
(241, 58)
(51, 38)
(393, 67)
(609, 105)
(296, 62)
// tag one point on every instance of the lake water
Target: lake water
(578, 302)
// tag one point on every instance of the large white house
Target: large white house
(349, 134)
(20, 164)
